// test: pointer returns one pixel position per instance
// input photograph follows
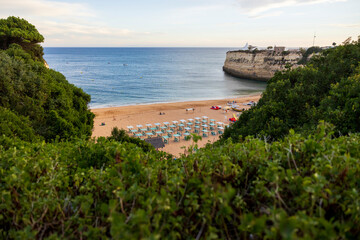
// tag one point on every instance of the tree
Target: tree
(307, 54)
(269, 47)
(19, 31)
(347, 41)
(52, 107)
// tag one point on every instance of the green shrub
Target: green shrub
(342, 106)
(54, 107)
(294, 188)
(121, 136)
(15, 126)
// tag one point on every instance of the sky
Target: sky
(189, 23)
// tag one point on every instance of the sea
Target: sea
(131, 76)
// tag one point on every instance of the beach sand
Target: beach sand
(122, 117)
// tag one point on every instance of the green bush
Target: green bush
(342, 106)
(54, 107)
(295, 188)
(121, 136)
(15, 126)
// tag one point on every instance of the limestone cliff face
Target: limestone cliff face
(259, 65)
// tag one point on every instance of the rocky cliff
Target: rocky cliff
(259, 65)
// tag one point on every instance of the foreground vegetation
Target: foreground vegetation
(295, 188)
(56, 183)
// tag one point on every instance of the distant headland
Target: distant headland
(262, 64)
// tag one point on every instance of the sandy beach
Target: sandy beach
(122, 117)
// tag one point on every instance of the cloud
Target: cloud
(64, 23)
(53, 28)
(230, 24)
(270, 14)
(44, 8)
(255, 8)
(349, 25)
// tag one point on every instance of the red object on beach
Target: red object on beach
(232, 119)
(215, 108)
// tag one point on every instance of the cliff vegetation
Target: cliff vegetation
(41, 102)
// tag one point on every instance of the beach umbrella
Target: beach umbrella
(182, 120)
(197, 118)
(175, 121)
(166, 123)
(130, 127)
(157, 124)
(204, 117)
(190, 119)
(148, 125)
(139, 126)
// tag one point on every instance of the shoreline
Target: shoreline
(133, 115)
(181, 101)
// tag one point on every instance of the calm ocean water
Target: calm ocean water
(127, 76)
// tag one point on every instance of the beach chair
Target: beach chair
(129, 128)
(159, 133)
(213, 133)
(205, 135)
(177, 137)
(165, 139)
